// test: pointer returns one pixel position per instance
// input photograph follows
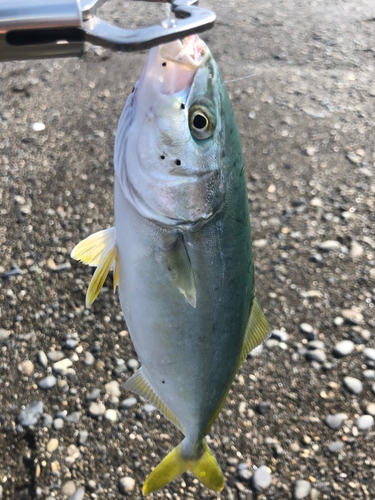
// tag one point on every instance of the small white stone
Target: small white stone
(62, 366)
(111, 415)
(126, 484)
(38, 126)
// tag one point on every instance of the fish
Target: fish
(181, 249)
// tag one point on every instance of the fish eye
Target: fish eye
(201, 122)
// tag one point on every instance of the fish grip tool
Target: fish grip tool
(58, 28)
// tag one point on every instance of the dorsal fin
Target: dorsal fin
(139, 384)
(256, 330)
(99, 250)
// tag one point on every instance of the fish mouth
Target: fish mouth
(191, 52)
(171, 67)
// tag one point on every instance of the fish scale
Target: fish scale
(181, 249)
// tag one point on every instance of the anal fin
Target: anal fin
(256, 330)
(140, 385)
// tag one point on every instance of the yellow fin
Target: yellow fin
(97, 281)
(140, 385)
(90, 250)
(256, 330)
(205, 468)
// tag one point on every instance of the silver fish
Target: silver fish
(181, 249)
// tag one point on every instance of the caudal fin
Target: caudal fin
(205, 468)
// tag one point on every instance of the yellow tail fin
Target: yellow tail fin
(205, 468)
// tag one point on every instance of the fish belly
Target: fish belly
(189, 354)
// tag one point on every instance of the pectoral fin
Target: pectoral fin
(99, 250)
(139, 384)
(180, 269)
(89, 250)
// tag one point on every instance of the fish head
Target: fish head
(171, 147)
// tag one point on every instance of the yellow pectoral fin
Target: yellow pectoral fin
(205, 468)
(90, 250)
(97, 281)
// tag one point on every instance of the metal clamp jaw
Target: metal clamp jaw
(58, 28)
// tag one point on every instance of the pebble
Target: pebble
(38, 126)
(83, 437)
(244, 474)
(94, 394)
(261, 243)
(315, 344)
(47, 382)
(89, 359)
(335, 446)
(42, 359)
(343, 348)
(52, 445)
(149, 408)
(132, 364)
(280, 335)
(113, 389)
(364, 422)
(71, 344)
(306, 328)
(356, 250)
(58, 424)
(128, 403)
(261, 478)
(335, 421)
(329, 245)
(316, 355)
(78, 495)
(62, 366)
(353, 385)
(73, 417)
(263, 407)
(26, 367)
(91, 485)
(370, 409)
(31, 414)
(370, 374)
(126, 484)
(110, 415)
(55, 355)
(301, 489)
(4, 334)
(47, 420)
(96, 409)
(338, 321)
(369, 352)
(73, 454)
(68, 489)
(271, 343)
(352, 317)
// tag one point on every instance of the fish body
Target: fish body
(181, 248)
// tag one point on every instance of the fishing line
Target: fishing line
(20, 217)
(242, 78)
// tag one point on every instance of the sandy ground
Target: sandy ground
(306, 115)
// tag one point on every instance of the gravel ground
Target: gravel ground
(298, 421)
